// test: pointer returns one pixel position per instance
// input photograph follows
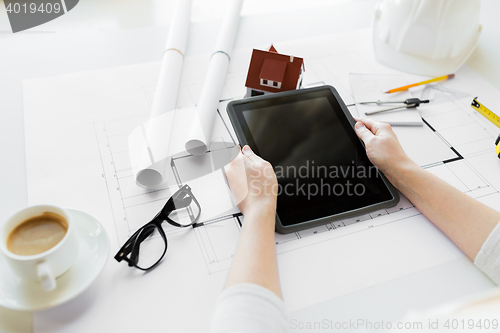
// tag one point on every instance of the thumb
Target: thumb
(363, 133)
(248, 152)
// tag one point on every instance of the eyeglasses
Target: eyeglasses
(181, 210)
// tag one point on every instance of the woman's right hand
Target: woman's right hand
(382, 147)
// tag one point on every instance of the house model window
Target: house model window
(270, 83)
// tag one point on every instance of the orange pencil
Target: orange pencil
(446, 77)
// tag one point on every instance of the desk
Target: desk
(137, 33)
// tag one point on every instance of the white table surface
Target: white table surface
(123, 32)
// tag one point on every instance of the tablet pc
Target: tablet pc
(321, 165)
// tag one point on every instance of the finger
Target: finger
(381, 128)
(248, 152)
(375, 127)
(368, 122)
(363, 132)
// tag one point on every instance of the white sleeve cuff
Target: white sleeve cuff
(488, 258)
(249, 308)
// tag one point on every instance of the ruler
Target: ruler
(488, 114)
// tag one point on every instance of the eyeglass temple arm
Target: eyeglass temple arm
(127, 248)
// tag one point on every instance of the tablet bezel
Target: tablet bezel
(283, 229)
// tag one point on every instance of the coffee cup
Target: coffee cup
(40, 244)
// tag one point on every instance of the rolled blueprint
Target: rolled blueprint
(150, 169)
(152, 144)
(199, 142)
(165, 145)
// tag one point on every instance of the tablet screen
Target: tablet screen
(320, 163)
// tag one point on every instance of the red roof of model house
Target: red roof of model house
(273, 72)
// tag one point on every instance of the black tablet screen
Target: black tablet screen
(321, 165)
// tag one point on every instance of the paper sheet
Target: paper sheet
(371, 87)
(76, 145)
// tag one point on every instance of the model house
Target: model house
(271, 72)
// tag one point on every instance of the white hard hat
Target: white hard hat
(426, 37)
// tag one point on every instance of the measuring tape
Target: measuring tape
(490, 116)
(485, 112)
(498, 145)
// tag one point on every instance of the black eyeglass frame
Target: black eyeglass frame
(132, 245)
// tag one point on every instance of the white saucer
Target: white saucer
(17, 294)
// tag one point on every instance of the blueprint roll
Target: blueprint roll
(170, 155)
(163, 137)
(199, 142)
(151, 169)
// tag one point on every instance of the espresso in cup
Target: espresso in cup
(40, 243)
(37, 234)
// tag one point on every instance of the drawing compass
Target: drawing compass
(408, 103)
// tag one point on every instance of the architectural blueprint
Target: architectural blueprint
(77, 156)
